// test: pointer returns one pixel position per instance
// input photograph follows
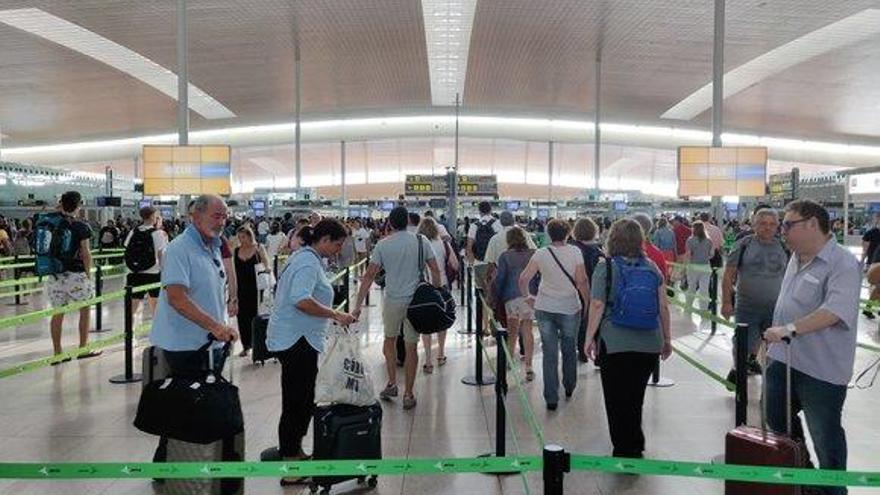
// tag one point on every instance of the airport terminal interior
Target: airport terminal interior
(693, 184)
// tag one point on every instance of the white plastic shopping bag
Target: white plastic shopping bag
(343, 375)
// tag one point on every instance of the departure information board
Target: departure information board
(435, 185)
(727, 171)
(175, 170)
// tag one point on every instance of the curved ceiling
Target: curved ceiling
(524, 58)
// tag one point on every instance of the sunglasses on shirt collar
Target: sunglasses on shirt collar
(218, 264)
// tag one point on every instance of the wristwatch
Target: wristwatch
(792, 330)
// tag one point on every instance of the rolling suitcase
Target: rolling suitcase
(747, 445)
(259, 352)
(343, 431)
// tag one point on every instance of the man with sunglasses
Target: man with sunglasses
(817, 313)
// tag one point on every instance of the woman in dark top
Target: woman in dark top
(584, 238)
(246, 257)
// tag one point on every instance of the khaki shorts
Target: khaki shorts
(394, 315)
(480, 273)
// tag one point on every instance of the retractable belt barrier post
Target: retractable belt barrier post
(364, 270)
(16, 273)
(478, 379)
(129, 376)
(275, 266)
(557, 462)
(468, 300)
(658, 381)
(500, 390)
(346, 281)
(99, 291)
(741, 341)
(713, 298)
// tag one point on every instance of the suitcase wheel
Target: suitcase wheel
(372, 482)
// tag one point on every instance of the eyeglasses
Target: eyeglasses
(788, 224)
(218, 264)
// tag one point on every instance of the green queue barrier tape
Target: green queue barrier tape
(705, 268)
(92, 346)
(704, 314)
(756, 474)
(16, 320)
(278, 469)
(869, 347)
(435, 466)
(702, 367)
(22, 292)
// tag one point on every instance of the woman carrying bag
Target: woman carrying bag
(248, 257)
(297, 328)
(559, 307)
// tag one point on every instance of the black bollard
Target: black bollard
(500, 392)
(129, 376)
(369, 289)
(557, 462)
(741, 341)
(478, 379)
(346, 281)
(99, 291)
(468, 302)
(713, 298)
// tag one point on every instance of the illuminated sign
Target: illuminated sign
(728, 171)
(175, 170)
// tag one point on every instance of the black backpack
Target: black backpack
(591, 253)
(432, 309)
(140, 254)
(485, 231)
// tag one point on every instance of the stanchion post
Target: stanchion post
(366, 266)
(469, 297)
(658, 381)
(129, 376)
(478, 379)
(557, 462)
(346, 280)
(17, 274)
(99, 291)
(275, 266)
(500, 392)
(741, 341)
(713, 298)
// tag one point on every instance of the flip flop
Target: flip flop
(428, 369)
(56, 363)
(90, 355)
(441, 360)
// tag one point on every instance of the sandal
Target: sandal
(428, 369)
(441, 360)
(90, 355)
(56, 363)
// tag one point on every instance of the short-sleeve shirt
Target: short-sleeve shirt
(197, 267)
(682, 234)
(700, 250)
(556, 293)
(472, 232)
(759, 276)
(79, 231)
(361, 237)
(498, 244)
(398, 254)
(302, 277)
(616, 338)
(831, 281)
(160, 242)
(713, 232)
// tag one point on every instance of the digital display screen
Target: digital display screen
(726, 171)
(386, 205)
(620, 206)
(512, 206)
(543, 213)
(144, 203)
(258, 204)
(175, 170)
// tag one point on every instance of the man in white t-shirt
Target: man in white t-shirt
(144, 268)
(478, 237)
(498, 242)
(262, 230)
(361, 242)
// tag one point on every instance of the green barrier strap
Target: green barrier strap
(700, 366)
(16, 320)
(146, 288)
(138, 470)
(759, 474)
(92, 346)
(705, 314)
(869, 347)
(22, 292)
(692, 266)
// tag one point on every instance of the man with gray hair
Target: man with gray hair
(498, 242)
(755, 267)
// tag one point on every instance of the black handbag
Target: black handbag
(432, 309)
(196, 408)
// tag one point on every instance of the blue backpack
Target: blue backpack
(635, 294)
(53, 244)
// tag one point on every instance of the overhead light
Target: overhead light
(79, 39)
(448, 25)
(857, 27)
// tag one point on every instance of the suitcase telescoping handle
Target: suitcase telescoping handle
(209, 348)
(787, 342)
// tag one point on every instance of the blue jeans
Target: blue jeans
(822, 404)
(558, 332)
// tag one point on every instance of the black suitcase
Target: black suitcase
(343, 431)
(259, 352)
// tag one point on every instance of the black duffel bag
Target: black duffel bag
(199, 408)
(432, 309)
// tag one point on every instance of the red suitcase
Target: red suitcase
(748, 445)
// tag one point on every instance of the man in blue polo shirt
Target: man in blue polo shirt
(192, 303)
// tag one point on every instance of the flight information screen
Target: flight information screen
(727, 171)
(175, 170)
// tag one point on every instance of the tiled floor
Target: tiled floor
(72, 413)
